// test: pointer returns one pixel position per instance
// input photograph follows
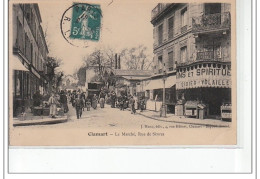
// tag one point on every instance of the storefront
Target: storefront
(154, 93)
(26, 81)
(208, 83)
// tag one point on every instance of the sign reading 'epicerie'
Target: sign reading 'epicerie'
(204, 77)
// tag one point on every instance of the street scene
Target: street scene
(76, 72)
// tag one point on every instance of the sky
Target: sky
(125, 24)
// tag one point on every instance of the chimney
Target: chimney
(116, 61)
(119, 63)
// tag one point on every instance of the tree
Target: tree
(102, 61)
(54, 76)
(136, 58)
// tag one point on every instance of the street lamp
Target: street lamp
(164, 108)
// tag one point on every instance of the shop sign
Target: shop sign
(204, 77)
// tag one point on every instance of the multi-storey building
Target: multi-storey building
(30, 49)
(192, 45)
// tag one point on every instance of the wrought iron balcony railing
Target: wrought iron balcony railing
(211, 22)
(209, 55)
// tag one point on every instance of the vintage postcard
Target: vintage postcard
(122, 73)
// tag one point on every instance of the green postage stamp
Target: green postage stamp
(86, 22)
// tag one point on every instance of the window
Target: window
(212, 8)
(160, 64)
(184, 17)
(170, 60)
(160, 34)
(170, 28)
(18, 83)
(184, 54)
(28, 48)
(20, 37)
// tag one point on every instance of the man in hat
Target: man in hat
(113, 99)
(78, 106)
(102, 96)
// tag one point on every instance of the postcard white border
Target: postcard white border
(176, 160)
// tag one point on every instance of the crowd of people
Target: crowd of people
(124, 101)
(80, 101)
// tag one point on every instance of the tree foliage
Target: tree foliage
(54, 76)
(102, 61)
(136, 58)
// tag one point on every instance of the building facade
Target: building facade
(29, 49)
(192, 43)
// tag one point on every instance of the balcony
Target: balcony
(159, 8)
(209, 55)
(206, 56)
(211, 23)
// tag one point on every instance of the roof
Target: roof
(134, 77)
(144, 73)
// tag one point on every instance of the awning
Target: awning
(154, 84)
(158, 83)
(17, 64)
(191, 104)
(170, 81)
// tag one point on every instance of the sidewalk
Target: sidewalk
(29, 119)
(182, 119)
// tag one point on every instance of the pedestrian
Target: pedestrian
(64, 102)
(113, 99)
(136, 103)
(88, 104)
(94, 101)
(73, 99)
(83, 97)
(53, 105)
(78, 106)
(132, 105)
(102, 96)
(142, 103)
(121, 101)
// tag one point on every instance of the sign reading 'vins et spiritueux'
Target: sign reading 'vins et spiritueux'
(204, 77)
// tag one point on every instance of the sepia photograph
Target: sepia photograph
(122, 73)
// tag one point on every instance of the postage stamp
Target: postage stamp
(86, 21)
(80, 24)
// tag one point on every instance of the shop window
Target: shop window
(158, 94)
(18, 83)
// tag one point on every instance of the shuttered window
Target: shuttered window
(170, 28)
(170, 60)
(160, 34)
